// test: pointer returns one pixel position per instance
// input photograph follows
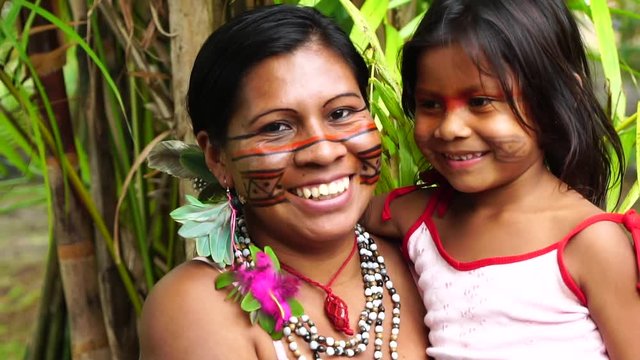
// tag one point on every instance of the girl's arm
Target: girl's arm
(392, 215)
(602, 261)
(372, 219)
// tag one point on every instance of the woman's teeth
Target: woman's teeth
(323, 190)
(463, 157)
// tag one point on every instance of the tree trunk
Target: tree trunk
(72, 229)
(191, 22)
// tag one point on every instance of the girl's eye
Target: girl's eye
(431, 105)
(479, 102)
(275, 127)
(340, 114)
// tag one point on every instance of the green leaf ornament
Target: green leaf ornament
(210, 226)
(224, 279)
(250, 303)
(268, 324)
(272, 255)
(296, 307)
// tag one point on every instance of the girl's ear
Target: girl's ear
(215, 159)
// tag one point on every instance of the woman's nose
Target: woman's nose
(322, 149)
(453, 125)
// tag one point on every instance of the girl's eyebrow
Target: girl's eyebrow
(465, 92)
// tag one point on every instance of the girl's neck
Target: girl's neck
(530, 190)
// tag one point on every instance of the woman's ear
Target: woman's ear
(215, 159)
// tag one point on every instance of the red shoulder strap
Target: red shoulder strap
(386, 211)
(630, 220)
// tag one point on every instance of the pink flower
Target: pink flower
(269, 287)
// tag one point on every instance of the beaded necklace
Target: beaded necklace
(375, 279)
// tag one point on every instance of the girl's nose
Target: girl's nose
(453, 125)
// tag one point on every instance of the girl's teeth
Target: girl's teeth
(333, 188)
(463, 157)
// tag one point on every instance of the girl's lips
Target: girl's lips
(462, 160)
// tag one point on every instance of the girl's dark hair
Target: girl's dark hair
(535, 46)
(239, 45)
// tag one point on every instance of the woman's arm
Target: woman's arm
(184, 317)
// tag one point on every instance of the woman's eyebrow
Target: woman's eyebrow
(347, 94)
(257, 117)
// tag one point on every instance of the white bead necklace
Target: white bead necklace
(375, 279)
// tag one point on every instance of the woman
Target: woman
(278, 104)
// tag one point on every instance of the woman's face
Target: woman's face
(302, 148)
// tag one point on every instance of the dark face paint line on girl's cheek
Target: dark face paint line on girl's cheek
(510, 148)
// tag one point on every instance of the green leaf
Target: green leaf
(274, 259)
(250, 303)
(609, 53)
(373, 12)
(389, 145)
(389, 98)
(393, 44)
(397, 3)
(234, 291)
(631, 198)
(362, 35)
(254, 250)
(407, 31)
(296, 307)
(268, 324)
(195, 162)
(75, 37)
(224, 279)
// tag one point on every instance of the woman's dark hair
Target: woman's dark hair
(535, 46)
(239, 45)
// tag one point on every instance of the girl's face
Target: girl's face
(302, 148)
(465, 127)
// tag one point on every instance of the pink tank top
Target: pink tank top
(516, 307)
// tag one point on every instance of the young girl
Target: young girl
(513, 256)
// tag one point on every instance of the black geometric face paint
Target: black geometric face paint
(263, 187)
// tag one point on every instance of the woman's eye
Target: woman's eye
(340, 114)
(275, 127)
(479, 102)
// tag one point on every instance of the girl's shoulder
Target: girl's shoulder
(184, 316)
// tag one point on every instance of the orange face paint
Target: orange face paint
(300, 145)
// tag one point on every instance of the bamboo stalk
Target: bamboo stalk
(72, 230)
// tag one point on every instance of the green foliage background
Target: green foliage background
(137, 105)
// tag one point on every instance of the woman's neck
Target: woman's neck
(315, 258)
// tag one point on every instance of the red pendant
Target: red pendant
(338, 313)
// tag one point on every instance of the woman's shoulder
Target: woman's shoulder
(184, 316)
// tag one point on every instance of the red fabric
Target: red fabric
(630, 220)
(396, 193)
